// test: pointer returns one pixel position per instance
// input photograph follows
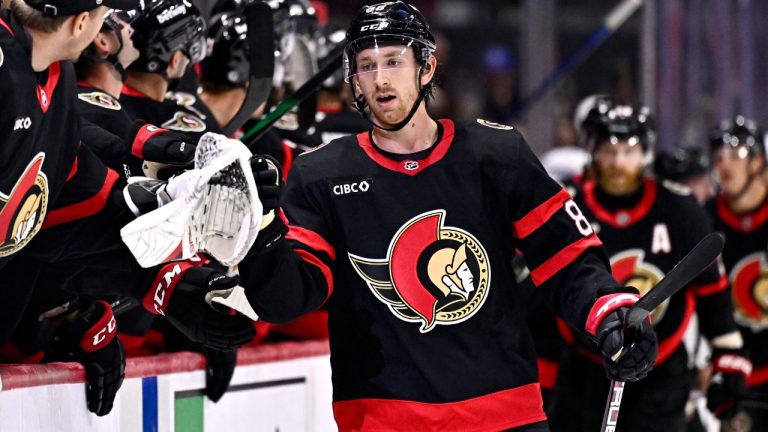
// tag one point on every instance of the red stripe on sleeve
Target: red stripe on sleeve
(547, 372)
(758, 377)
(7, 27)
(145, 133)
(540, 215)
(73, 170)
(712, 288)
(83, 209)
(561, 259)
(311, 259)
(311, 239)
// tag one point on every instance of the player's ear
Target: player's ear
(429, 70)
(77, 23)
(175, 59)
(102, 44)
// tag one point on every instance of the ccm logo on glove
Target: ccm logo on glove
(166, 280)
(101, 333)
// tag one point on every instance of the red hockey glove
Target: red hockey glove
(178, 292)
(730, 369)
(90, 337)
(165, 152)
(218, 372)
(628, 353)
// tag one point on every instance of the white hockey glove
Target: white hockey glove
(214, 208)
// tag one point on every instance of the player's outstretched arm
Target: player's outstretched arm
(283, 276)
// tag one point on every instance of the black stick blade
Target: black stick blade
(695, 262)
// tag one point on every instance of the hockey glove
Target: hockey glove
(218, 372)
(179, 291)
(268, 177)
(164, 152)
(628, 353)
(730, 369)
(91, 338)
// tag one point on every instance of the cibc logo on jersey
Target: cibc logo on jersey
(629, 268)
(22, 211)
(749, 285)
(351, 187)
(432, 274)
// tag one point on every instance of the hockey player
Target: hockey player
(740, 211)
(646, 227)
(405, 233)
(688, 166)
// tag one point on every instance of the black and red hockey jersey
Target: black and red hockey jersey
(411, 256)
(646, 234)
(38, 137)
(105, 111)
(746, 261)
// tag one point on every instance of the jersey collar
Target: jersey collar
(410, 167)
(130, 91)
(624, 217)
(743, 222)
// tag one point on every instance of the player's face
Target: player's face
(619, 166)
(129, 53)
(386, 77)
(732, 167)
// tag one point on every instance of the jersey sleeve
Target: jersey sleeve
(564, 254)
(291, 275)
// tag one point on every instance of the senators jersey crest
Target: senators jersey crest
(630, 269)
(432, 274)
(100, 99)
(184, 122)
(23, 210)
(749, 285)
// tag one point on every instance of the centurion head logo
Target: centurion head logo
(630, 269)
(22, 211)
(749, 285)
(432, 274)
(184, 122)
(100, 99)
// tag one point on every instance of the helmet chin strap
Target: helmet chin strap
(360, 105)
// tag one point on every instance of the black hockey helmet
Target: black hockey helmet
(228, 62)
(610, 121)
(114, 20)
(387, 24)
(741, 134)
(681, 164)
(165, 27)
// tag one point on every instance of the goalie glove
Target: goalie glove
(215, 208)
(90, 337)
(628, 353)
(730, 369)
(163, 152)
(179, 292)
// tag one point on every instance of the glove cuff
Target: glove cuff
(603, 307)
(156, 300)
(141, 133)
(101, 329)
(731, 361)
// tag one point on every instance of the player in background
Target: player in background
(688, 166)
(405, 233)
(646, 226)
(740, 210)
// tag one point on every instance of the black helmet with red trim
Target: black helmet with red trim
(164, 27)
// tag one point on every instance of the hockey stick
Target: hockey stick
(261, 60)
(692, 264)
(291, 101)
(615, 19)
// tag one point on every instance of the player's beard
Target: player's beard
(619, 181)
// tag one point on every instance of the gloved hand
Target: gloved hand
(628, 353)
(218, 372)
(178, 292)
(730, 369)
(90, 337)
(164, 152)
(267, 175)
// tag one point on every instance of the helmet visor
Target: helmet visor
(367, 57)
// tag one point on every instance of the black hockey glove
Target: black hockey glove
(628, 353)
(164, 152)
(91, 338)
(730, 370)
(218, 372)
(178, 292)
(268, 178)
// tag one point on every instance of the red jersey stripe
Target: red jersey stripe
(540, 215)
(547, 372)
(668, 346)
(711, 288)
(83, 209)
(758, 377)
(311, 239)
(567, 255)
(311, 259)
(496, 411)
(7, 27)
